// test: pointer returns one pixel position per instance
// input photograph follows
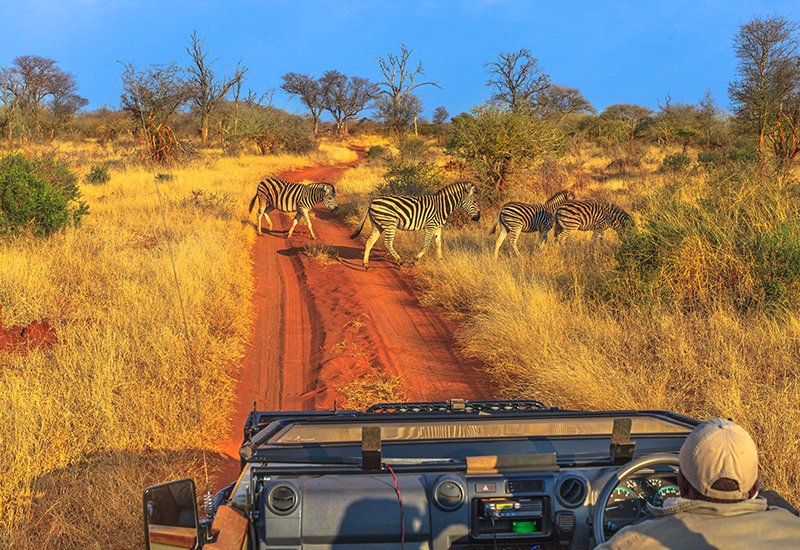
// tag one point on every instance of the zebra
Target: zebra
(519, 217)
(290, 197)
(412, 213)
(588, 216)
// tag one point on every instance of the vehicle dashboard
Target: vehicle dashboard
(450, 478)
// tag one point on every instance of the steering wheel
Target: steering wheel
(622, 474)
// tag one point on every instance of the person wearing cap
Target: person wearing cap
(719, 506)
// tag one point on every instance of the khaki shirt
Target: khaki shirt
(696, 524)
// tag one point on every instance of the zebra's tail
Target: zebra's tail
(357, 232)
(252, 202)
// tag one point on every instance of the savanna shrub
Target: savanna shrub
(376, 152)
(409, 178)
(415, 149)
(709, 159)
(677, 162)
(98, 175)
(738, 244)
(38, 195)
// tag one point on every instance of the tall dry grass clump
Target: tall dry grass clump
(693, 311)
(111, 408)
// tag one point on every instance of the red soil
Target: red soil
(321, 324)
(37, 333)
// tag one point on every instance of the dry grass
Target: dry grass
(112, 407)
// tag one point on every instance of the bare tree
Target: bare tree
(308, 89)
(345, 97)
(398, 83)
(440, 115)
(404, 116)
(516, 78)
(10, 86)
(151, 98)
(767, 74)
(206, 90)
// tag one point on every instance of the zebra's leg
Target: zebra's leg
(373, 238)
(513, 239)
(543, 236)
(429, 233)
(598, 233)
(438, 237)
(301, 214)
(266, 210)
(388, 241)
(500, 238)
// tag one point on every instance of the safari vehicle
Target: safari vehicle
(456, 474)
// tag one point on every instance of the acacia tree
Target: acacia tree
(556, 101)
(345, 97)
(496, 141)
(516, 78)
(440, 115)
(308, 89)
(29, 82)
(399, 82)
(206, 90)
(151, 98)
(768, 73)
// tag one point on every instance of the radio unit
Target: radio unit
(511, 517)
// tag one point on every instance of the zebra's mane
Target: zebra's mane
(462, 186)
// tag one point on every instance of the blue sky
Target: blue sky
(613, 52)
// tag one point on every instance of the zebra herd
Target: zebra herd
(562, 212)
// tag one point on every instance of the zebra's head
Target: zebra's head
(329, 199)
(468, 198)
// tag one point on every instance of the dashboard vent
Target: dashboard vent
(572, 491)
(283, 499)
(448, 495)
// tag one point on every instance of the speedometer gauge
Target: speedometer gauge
(668, 491)
(623, 507)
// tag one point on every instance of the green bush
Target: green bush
(415, 149)
(709, 159)
(676, 162)
(98, 175)
(38, 195)
(377, 152)
(409, 178)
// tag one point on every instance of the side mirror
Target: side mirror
(170, 516)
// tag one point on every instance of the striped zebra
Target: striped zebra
(519, 217)
(410, 213)
(588, 216)
(290, 197)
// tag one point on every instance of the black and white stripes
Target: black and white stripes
(519, 217)
(588, 216)
(285, 196)
(412, 213)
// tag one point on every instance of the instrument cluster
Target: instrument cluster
(629, 500)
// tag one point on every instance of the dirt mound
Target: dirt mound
(37, 333)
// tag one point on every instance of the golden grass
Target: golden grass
(105, 412)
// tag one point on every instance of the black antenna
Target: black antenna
(208, 497)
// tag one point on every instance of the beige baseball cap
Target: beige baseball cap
(716, 449)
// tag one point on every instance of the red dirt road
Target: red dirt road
(321, 324)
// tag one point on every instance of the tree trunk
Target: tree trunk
(204, 129)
